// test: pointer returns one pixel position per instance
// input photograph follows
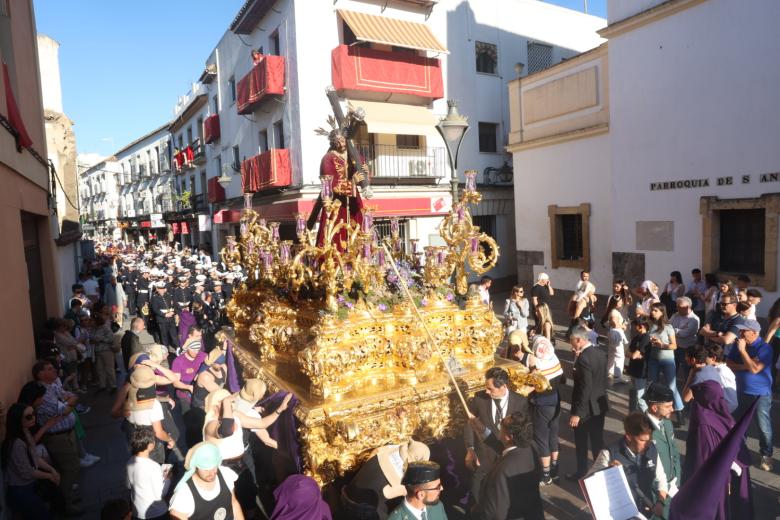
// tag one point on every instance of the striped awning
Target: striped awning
(391, 31)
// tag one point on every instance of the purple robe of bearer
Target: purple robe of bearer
(711, 489)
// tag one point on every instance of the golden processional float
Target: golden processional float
(369, 337)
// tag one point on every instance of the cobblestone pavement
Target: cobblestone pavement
(106, 479)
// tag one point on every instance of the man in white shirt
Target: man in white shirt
(707, 363)
(147, 480)
(91, 288)
(205, 487)
(484, 289)
(697, 288)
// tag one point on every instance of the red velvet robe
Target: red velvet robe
(335, 165)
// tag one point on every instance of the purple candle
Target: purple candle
(284, 252)
(414, 245)
(394, 226)
(367, 251)
(440, 256)
(327, 187)
(250, 247)
(231, 244)
(275, 231)
(368, 221)
(380, 257)
(244, 228)
(267, 259)
(461, 213)
(475, 244)
(300, 224)
(248, 200)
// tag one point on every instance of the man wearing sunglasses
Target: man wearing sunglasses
(724, 331)
(423, 493)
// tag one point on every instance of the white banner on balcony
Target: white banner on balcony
(204, 223)
(441, 204)
(157, 220)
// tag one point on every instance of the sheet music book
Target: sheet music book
(609, 496)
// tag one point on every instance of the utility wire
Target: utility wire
(54, 172)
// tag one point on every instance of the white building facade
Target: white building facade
(655, 152)
(145, 186)
(99, 195)
(400, 61)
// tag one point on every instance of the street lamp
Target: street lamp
(452, 129)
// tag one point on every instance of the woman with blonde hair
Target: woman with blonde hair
(544, 321)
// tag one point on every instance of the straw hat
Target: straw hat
(393, 460)
(214, 357)
(253, 391)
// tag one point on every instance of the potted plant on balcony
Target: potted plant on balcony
(185, 199)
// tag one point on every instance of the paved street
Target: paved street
(106, 479)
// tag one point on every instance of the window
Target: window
(488, 137)
(200, 129)
(180, 139)
(487, 57)
(215, 104)
(236, 158)
(189, 135)
(232, 88)
(203, 183)
(739, 237)
(539, 56)
(274, 43)
(742, 240)
(570, 236)
(569, 229)
(219, 165)
(382, 228)
(263, 135)
(407, 141)
(279, 134)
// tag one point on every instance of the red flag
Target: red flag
(14, 117)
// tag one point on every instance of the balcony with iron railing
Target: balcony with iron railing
(198, 151)
(391, 164)
(199, 202)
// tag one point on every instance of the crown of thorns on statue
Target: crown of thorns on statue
(354, 116)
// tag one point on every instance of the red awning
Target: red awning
(265, 79)
(23, 139)
(227, 216)
(216, 193)
(175, 228)
(211, 129)
(146, 223)
(270, 169)
(185, 228)
(397, 72)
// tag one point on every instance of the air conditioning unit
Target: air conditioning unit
(417, 168)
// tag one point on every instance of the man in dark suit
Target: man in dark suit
(511, 489)
(589, 399)
(490, 406)
(131, 341)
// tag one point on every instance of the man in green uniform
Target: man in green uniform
(423, 490)
(660, 405)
